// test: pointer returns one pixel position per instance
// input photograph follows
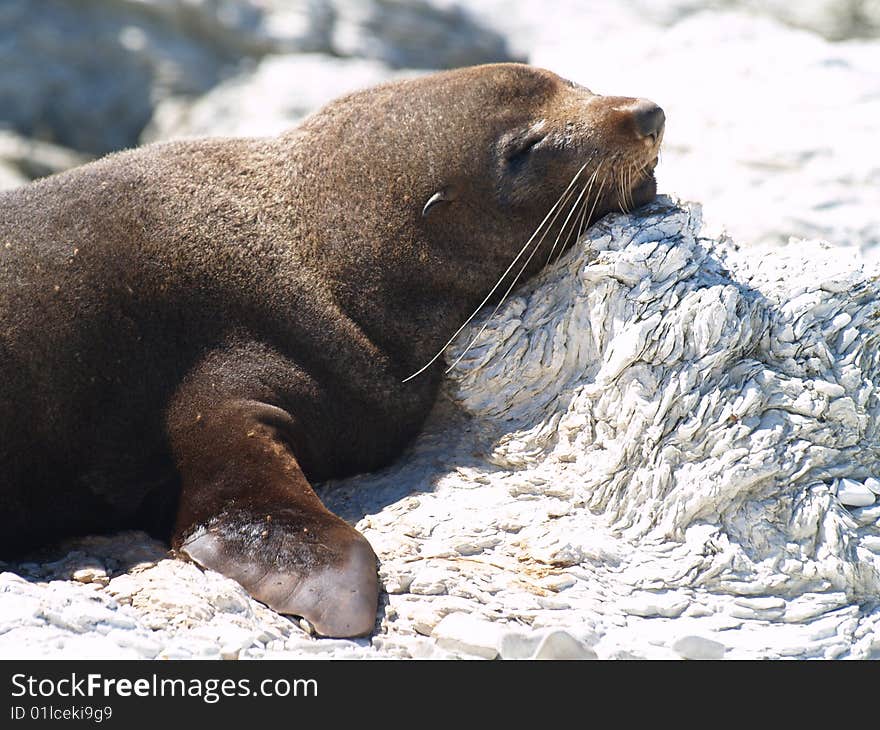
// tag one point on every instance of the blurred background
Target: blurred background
(773, 108)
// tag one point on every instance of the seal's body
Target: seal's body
(191, 332)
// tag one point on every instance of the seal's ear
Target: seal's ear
(441, 196)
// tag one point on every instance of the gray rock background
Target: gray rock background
(773, 112)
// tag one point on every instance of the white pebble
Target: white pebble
(562, 645)
(91, 575)
(873, 484)
(466, 634)
(867, 515)
(396, 583)
(699, 647)
(430, 582)
(665, 604)
(761, 603)
(517, 645)
(854, 494)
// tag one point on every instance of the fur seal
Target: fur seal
(191, 333)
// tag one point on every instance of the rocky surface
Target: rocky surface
(272, 98)
(104, 65)
(640, 456)
(23, 159)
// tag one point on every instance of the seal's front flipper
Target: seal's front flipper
(247, 511)
(310, 565)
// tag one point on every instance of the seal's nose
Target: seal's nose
(649, 119)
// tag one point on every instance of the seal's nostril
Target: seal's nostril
(649, 118)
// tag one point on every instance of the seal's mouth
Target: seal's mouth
(645, 189)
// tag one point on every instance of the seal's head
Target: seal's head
(542, 140)
(455, 175)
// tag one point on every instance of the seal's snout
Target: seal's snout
(649, 119)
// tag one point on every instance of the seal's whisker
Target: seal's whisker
(514, 282)
(574, 226)
(503, 276)
(586, 199)
(629, 181)
(592, 209)
(621, 192)
(573, 208)
(637, 173)
(590, 215)
(582, 219)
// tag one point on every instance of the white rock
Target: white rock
(699, 647)
(425, 616)
(123, 587)
(873, 484)
(284, 88)
(761, 603)
(16, 610)
(466, 634)
(424, 34)
(854, 494)
(145, 645)
(666, 604)
(562, 645)
(869, 515)
(396, 582)
(430, 582)
(91, 575)
(518, 645)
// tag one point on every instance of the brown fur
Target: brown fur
(192, 331)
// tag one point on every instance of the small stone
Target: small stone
(552, 604)
(854, 494)
(561, 554)
(698, 610)
(558, 582)
(430, 582)
(91, 575)
(123, 587)
(145, 646)
(425, 618)
(475, 546)
(699, 647)
(560, 644)
(230, 653)
(510, 524)
(873, 484)
(9, 577)
(866, 515)
(832, 390)
(396, 583)
(466, 634)
(761, 603)
(667, 605)
(517, 645)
